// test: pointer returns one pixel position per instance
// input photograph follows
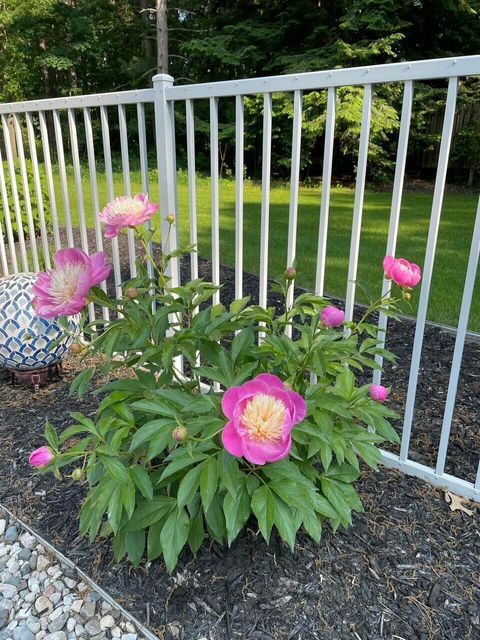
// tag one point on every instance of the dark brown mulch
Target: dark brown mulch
(407, 569)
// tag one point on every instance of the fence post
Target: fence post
(165, 144)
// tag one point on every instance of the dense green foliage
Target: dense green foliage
(159, 476)
(54, 47)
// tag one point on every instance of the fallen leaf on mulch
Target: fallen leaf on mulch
(457, 503)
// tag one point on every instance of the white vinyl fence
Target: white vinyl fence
(44, 123)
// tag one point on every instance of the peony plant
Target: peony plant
(219, 417)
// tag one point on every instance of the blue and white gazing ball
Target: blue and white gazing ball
(26, 341)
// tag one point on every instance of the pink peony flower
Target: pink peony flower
(404, 273)
(332, 317)
(126, 211)
(41, 457)
(378, 392)
(63, 291)
(261, 415)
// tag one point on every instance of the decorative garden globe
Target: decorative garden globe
(27, 343)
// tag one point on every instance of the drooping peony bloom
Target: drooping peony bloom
(125, 212)
(41, 457)
(332, 317)
(378, 392)
(63, 291)
(404, 273)
(261, 415)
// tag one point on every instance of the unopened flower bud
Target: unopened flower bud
(290, 273)
(76, 348)
(78, 474)
(170, 218)
(406, 296)
(132, 293)
(180, 434)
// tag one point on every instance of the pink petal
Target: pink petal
(262, 452)
(231, 440)
(388, 262)
(111, 231)
(270, 379)
(229, 400)
(300, 406)
(100, 268)
(70, 256)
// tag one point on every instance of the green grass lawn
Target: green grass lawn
(452, 249)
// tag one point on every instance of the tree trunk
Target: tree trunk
(162, 37)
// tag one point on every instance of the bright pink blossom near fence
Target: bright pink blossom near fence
(126, 212)
(378, 392)
(261, 415)
(63, 291)
(404, 273)
(41, 457)
(332, 317)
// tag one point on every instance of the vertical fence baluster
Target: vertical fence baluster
(459, 343)
(142, 142)
(117, 271)
(294, 188)
(26, 191)
(265, 207)
(50, 185)
(14, 191)
(398, 183)
(38, 190)
(3, 253)
(63, 176)
(122, 119)
(215, 196)
(92, 172)
(77, 176)
(7, 217)
(439, 190)
(192, 189)
(326, 187)
(239, 150)
(165, 163)
(358, 203)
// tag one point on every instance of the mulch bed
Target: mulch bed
(407, 569)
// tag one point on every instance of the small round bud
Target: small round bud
(132, 293)
(180, 434)
(406, 296)
(290, 273)
(170, 218)
(76, 348)
(78, 474)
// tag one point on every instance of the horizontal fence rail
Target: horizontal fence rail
(56, 158)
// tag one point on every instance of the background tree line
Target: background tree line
(55, 48)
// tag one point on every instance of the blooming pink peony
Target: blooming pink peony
(261, 414)
(378, 392)
(332, 317)
(126, 211)
(404, 273)
(63, 291)
(41, 457)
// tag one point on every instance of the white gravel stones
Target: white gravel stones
(41, 599)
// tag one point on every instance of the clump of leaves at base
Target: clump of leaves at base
(158, 474)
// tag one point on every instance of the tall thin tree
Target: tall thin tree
(162, 36)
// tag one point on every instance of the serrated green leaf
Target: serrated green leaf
(173, 537)
(237, 511)
(208, 481)
(263, 506)
(135, 545)
(189, 486)
(142, 481)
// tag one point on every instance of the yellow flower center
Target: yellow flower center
(64, 282)
(126, 206)
(263, 418)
